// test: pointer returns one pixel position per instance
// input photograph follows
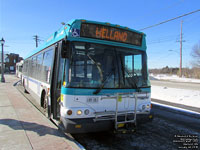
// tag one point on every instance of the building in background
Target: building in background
(10, 61)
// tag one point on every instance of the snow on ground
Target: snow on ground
(173, 78)
(174, 95)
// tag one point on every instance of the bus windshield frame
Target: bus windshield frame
(94, 66)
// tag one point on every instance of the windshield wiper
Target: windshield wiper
(104, 82)
(98, 66)
(122, 68)
(138, 89)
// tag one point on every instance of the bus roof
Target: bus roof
(66, 29)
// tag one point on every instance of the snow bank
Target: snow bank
(173, 78)
(174, 95)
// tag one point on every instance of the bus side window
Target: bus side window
(34, 62)
(39, 66)
(30, 67)
(46, 67)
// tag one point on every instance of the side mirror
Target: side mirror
(65, 49)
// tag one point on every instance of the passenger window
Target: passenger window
(46, 66)
(34, 62)
(39, 66)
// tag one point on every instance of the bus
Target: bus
(19, 67)
(91, 76)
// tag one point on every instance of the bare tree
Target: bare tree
(196, 55)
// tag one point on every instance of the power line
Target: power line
(161, 9)
(170, 20)
(163, 39)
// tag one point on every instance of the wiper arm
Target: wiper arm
(98, 67)
(134, 81)
(122, 68)
(103, 83)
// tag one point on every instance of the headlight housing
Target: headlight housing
(79, 112)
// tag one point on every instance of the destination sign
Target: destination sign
(110, 33)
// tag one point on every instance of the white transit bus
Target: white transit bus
(19, 67)
(91, 76)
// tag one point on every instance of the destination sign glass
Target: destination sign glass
(110, 33)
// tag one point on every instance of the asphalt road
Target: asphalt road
(160, 134)
(180, 85)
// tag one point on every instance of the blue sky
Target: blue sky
(20, 20)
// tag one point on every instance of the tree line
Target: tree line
(193, 72)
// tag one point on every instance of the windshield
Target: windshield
(102, 66)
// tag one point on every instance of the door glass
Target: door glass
(60, 72)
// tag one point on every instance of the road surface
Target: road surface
(179, 85)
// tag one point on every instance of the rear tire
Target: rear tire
(25, 91)
(45, 104)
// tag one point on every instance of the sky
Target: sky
(20, 20)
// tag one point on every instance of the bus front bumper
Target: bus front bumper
(86, 125)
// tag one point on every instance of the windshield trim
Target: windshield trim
(118, 68)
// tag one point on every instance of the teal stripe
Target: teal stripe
(79, 91)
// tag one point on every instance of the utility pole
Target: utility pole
(180, 69)
(35, 37)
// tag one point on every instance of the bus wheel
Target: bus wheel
(25, 91)
(44, 104)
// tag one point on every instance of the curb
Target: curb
(183, 117)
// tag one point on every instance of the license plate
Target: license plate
(92, 100)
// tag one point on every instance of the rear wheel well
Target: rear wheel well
(43, 98)
(23, 83)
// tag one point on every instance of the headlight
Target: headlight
(79, 112)
(148, 106)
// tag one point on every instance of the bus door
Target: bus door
(56, 81)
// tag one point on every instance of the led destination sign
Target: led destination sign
(110, 33)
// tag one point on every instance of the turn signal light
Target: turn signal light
(69, 112)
